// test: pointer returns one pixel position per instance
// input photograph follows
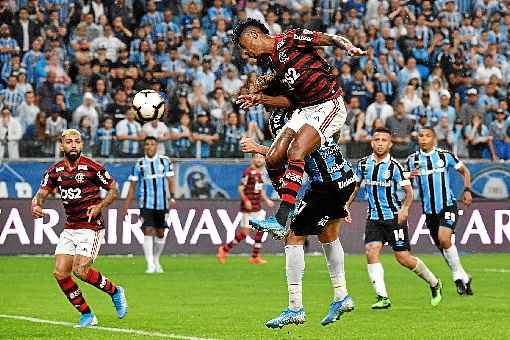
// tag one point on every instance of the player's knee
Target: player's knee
(59, 274)
(403, 260)
(372, 253)
(274, 159)
(296, 151)
(80, 270)
(445, 243)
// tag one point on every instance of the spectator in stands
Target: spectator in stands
(411, 100)
(407, 73)
(28, 110)
(87, 108)
(378, 109)
(129, 135)
(479, 142)
(486, 70)
(159, 131)
(472, 106)
(117, 109)
(101, 98)
(55, 125)
(231, 83)
(108, 41)
(181, 137)
(444, 133)
(445, 109)
(498, 129)
(22, 85)
(25, 31)
(204, 135)
(11, 132)
(11, 98)
(105, 139)
(232, 134)
(86, 135)
(197, 98)
(401, 127)
(47, 92)
(8, 45)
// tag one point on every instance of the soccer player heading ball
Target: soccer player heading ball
(315, 95)
(78, 180)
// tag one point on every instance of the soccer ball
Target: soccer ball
(148, 106)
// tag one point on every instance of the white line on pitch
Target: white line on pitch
(108, 329)
(496, 270)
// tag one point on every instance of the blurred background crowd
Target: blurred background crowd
(79, 63)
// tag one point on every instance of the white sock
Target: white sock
(376, 274)
(424, 272)
(452, 257)
(295, 267)
(159, 245)
(148, 250)
(335, 258)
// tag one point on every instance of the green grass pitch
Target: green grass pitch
(197, 297)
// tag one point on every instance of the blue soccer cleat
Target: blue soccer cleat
(272, 226)
(337, 308)
(120, 302)
(87, 320)
(288, 317)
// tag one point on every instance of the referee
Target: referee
(152, 177)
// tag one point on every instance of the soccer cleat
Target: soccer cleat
(272, 226)
(222, 254)
(337, 309)
(461, 288)
(469, 291)
(288, 317)
(436, 294)
(158, 268)
(382, 303)
(87, 320)
(151, 269)
(257, 260)
(120, 302)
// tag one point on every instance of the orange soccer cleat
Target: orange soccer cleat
(221, 255)
(257, 260)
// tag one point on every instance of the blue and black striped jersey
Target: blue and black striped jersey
(152, 177)
(434, 181)
(382, 181)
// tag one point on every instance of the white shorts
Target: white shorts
(84, 242)
(247, 216)
(327, 118)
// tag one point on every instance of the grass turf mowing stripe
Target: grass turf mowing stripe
(107, 329)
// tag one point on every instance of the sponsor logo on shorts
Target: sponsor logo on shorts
(323, 221)
(344, 184)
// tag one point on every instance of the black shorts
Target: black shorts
(389, 231)
(321, 204)
(153, 218)
(446, 218)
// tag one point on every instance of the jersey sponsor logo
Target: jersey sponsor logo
(70, 194)
(426, 172)
(378, 183)
(59, 169)
(80, 177)
(101, 178)
(344, 184)
(303, 37)
(280, 44)
(336, 168)
(82, 167)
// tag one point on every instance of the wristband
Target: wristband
(172, 196)
(467, 190)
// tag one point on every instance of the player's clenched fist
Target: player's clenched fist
(247, 145)
(93, 211)
(37, 211)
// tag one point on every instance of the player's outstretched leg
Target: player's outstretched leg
(82, 269)
(295, 267)
(417, 266)
(334, 253)
(255, 252)
(225, 249)
(62, 273)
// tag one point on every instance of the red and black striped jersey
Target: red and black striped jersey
(305, 76)
(252, 182)
(79, 189)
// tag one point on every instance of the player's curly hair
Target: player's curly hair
(241, 26)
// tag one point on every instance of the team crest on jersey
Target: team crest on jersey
(80, 177)
(282, 57)
(387, 174)
(440, 163)
(82, 167)
(59, 169)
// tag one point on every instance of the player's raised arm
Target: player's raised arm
(248, 145)
(252, 99)
(326, 39)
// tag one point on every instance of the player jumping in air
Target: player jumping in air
(78, 180)
(316, 96)
(319, 213)
(430, 168)
(383, 177)
(252, 194)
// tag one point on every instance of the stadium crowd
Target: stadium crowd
(78, 64)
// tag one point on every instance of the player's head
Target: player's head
(258, 161)
(71, 144)
(251, 35)
(427, 138)
(150, 146)
(381, 142)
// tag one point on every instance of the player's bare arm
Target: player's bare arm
(326, 39)
(171, 190)
(247, 100)
(129, 197)
(38, 201)
(467, 198)
(348, 218)
(261, 83)
(403, 214)
(112, 194)
(244, 198)
(248, 145)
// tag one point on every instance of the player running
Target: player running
(430, 167)
(314, 91)
(383, 177)
(252, 194)
(154, 176)
(78, 180)
(319, 213)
